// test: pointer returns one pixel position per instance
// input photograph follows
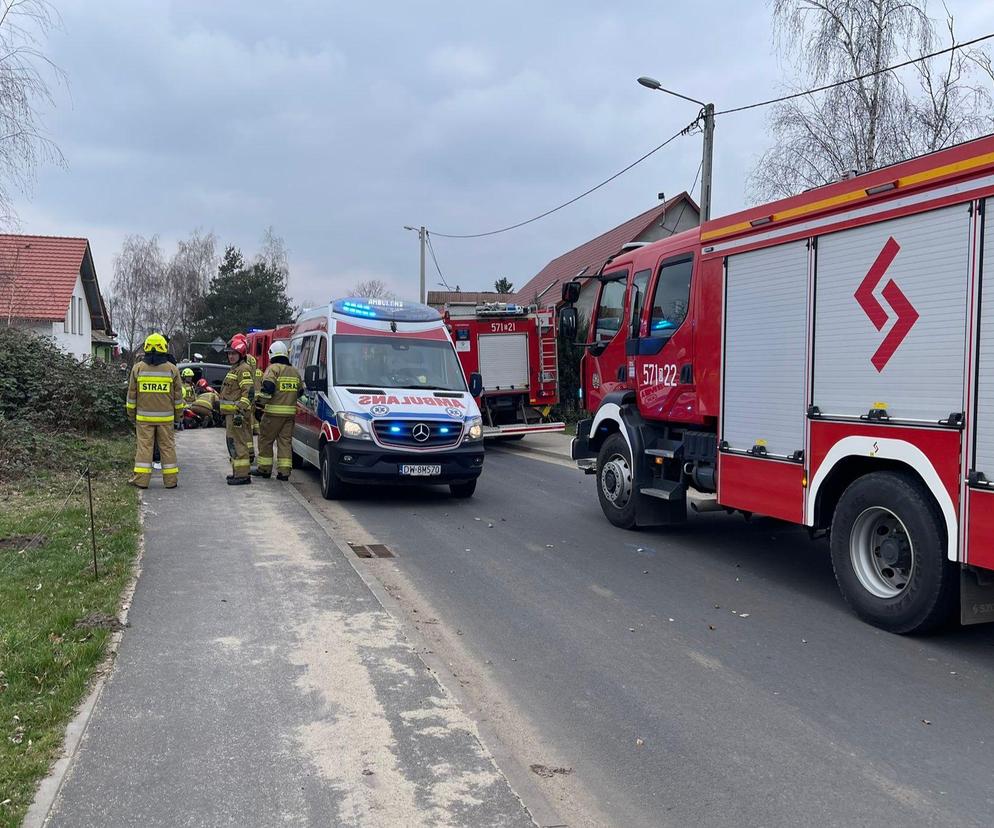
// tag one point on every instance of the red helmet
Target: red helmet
(238, 344)
(202, 383)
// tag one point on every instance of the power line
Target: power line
(575, 199)
(690, 192)
(827, 86)
(435, 260)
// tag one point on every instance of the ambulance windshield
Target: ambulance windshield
(396, 362)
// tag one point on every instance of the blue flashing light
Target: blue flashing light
(443, 430)
(358, 309)
(395, 310)
(395, 429)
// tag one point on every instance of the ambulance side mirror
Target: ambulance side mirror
(312, 378)
(568, 323)
(475, 384)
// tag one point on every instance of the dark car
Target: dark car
(211, 371)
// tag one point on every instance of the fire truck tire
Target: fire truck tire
(889, 554)
(464, 489)
(332, 488)
(616, 482)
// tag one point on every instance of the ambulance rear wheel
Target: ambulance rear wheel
(889, 554)
(616, 482)
(464, 489)
(331, 487)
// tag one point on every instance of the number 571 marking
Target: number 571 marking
(665, 375)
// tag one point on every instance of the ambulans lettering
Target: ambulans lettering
(381, 399)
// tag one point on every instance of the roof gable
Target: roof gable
(590, 256)
(38, 275)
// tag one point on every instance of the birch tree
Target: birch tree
(880, 119)
(139, 270)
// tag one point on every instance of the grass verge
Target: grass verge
(54, 616)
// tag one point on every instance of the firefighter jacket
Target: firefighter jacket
(238, 389)
(256, 371)
(189, 393)
(281, 386)
(208, 400)
(155, 393)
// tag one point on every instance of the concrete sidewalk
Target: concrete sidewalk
(262, 683)
(550, 444)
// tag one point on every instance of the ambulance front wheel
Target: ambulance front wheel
(332, 488)
(464, 489)
(889, 554)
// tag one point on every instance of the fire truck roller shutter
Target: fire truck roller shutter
(765, 345)
(504, 361)
(890, 317)
(983, 460)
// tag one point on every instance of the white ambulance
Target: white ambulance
(386, 399)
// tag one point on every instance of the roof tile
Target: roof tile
(38, 274)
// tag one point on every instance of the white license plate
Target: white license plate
(421, 471)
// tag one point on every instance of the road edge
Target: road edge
(538, 806)
(50, 787)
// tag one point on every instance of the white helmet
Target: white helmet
(277, 349)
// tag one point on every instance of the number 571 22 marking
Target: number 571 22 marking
(660, 375)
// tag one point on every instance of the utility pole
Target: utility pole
(422, 232)
(706, 163)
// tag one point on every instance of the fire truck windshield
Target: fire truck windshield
(396, 362)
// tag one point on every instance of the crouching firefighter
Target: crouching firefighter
(154, 404)
(277, 402)
(237, 394)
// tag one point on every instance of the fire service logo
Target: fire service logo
(906, 313)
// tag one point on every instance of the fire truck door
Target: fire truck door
(605, 367)
(663, 354)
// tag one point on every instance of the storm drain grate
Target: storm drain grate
(373, 550)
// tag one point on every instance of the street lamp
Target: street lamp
(707, 111)
(422, 237)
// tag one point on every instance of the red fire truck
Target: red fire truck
(828, 360)
(259, 341)
(514, 348)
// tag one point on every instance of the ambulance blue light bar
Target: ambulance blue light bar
(388, 310)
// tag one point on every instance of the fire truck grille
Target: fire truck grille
(417, 433)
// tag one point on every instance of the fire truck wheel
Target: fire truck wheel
(464, 489)
(331, 487)
(616, 482)
(889, 554)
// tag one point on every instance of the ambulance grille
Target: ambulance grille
(444, 434)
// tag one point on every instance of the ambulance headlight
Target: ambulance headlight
(475, 429)
(353, 426)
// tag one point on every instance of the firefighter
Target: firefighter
(277, 406)
(189, 392)
(257, 379)
(206, 403)
(154, 405)
(237, 394)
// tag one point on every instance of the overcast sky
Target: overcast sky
(337, 123)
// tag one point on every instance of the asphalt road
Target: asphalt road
(706, 674)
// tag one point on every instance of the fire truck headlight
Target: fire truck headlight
(475, 429)
(353, 426)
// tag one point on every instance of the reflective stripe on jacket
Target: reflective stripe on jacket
(238, 389)
(155, 393)
(281, 386)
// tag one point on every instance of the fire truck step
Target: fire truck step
(665, 490)
(665, 448)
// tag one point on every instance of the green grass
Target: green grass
(46, 662)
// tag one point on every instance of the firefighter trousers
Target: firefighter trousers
(253, 430)
(238, 438)
(279, 430)
(147, 436)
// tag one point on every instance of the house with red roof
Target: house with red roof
(48, 285)
(672, 216)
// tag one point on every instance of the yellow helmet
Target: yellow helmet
(155, 342)
(186, 373)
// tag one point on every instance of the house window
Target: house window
(79, 306)
(72, 313)
(65, 322)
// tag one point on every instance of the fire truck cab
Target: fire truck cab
(827, 360)
(387, 400)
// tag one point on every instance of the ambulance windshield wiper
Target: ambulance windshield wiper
(431, 388)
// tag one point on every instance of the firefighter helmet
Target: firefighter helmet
(202, 384)
(155, 342)
(278, 349)
(238, 344)
(186, 373)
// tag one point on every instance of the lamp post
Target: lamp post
(422, 237)
(707, 112)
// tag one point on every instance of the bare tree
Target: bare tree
(186, 281)
(373, 289)
(25, 78)
(139, 271)
(273, 253)
(874, 121)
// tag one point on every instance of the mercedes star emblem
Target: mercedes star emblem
(421, 432)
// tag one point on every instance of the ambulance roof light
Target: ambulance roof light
(388, 310)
